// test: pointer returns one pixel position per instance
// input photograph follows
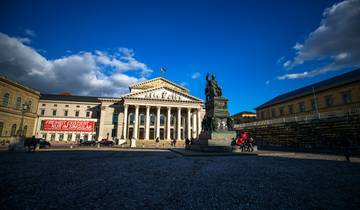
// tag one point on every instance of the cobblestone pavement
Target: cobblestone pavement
(155, 179)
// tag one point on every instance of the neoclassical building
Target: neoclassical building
(153, 108)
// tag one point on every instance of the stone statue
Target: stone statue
(212, 88)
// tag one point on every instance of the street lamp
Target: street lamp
(19, 141)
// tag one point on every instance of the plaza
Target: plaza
(161, 179)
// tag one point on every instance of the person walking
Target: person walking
(345, 143)
(157, 141)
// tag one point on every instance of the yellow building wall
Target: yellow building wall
(336, 93)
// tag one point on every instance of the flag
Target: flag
(162, 69)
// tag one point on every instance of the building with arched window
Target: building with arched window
(12, 98)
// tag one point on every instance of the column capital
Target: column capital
(126, 105)
(137, 106)
(148, 106)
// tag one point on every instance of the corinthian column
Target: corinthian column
(147, 123)
(158, 122)
(168, 123)
(179, 124)
(125, 121)
(136, 124)
(188, 123)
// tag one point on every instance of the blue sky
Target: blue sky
(257, 49)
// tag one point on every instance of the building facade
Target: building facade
(153, 108)
(337, 95)
(13, 98)
(67, 118)
(244, 117)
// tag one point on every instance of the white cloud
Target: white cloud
(195, 75)
(85, 73)
(30, 32)
(267, 82)
(280, 60)
(336, 41)
(24, 40)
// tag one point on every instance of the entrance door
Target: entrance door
(152, 134)
(162, 136)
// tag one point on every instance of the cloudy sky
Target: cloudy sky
(257, 49)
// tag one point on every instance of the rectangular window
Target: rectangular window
(55, 105)
(44, 135)
(42, 112)
(77, 113)
(346, 97)
(78, 106)
(302, 107)
(281, 110)
(66, 105)
(52, 137)
(61, 136)
(291, 109)
(69, 137)
(329, 102)
(66, 112)
(273, 113)
(54, 112)
(313, 105)
(43, 104)
(87, 114)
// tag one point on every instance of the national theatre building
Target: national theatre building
(153, 108)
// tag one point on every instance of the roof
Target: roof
(342, 79)
(158, 78)
(56, 97)
(14, 83)
(243, 112)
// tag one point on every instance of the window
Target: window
(55, 105)
(77, 137)
(88, 107)
(115, 117)
(1, 128)
(66, 112)
(346, 97)
(66, 105)
(44, 135)
(329, 101)
(302, 107)
(69, 137)
(25, 130)
(42, 125)
(77, 106)
(54, 112)
(88, 114)
(77, 113)
(42, 112)
(13, 130)
(313, 105)
(29, 105)
(6, 99)
(43, 104)
(172, 120)
(152, 119)
(61, 136)
(291, 109)
(281, 110)
(262, 115)
(273, 113)
(132, 119)
(52, 137)
(162, 119)
(18, 103)
(142, 119)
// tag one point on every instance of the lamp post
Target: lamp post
(19, 141)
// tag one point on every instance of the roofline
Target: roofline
(14, 83)
(343, 83)
(147, 81)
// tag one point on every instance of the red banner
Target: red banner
(69, 125)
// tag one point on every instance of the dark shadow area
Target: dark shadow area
(129, 179)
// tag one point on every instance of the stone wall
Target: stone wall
(317, 135)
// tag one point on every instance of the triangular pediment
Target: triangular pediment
(156, 83)
(162, 93)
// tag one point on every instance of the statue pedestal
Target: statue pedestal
(217, 132)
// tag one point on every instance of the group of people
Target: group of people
(244, 141)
